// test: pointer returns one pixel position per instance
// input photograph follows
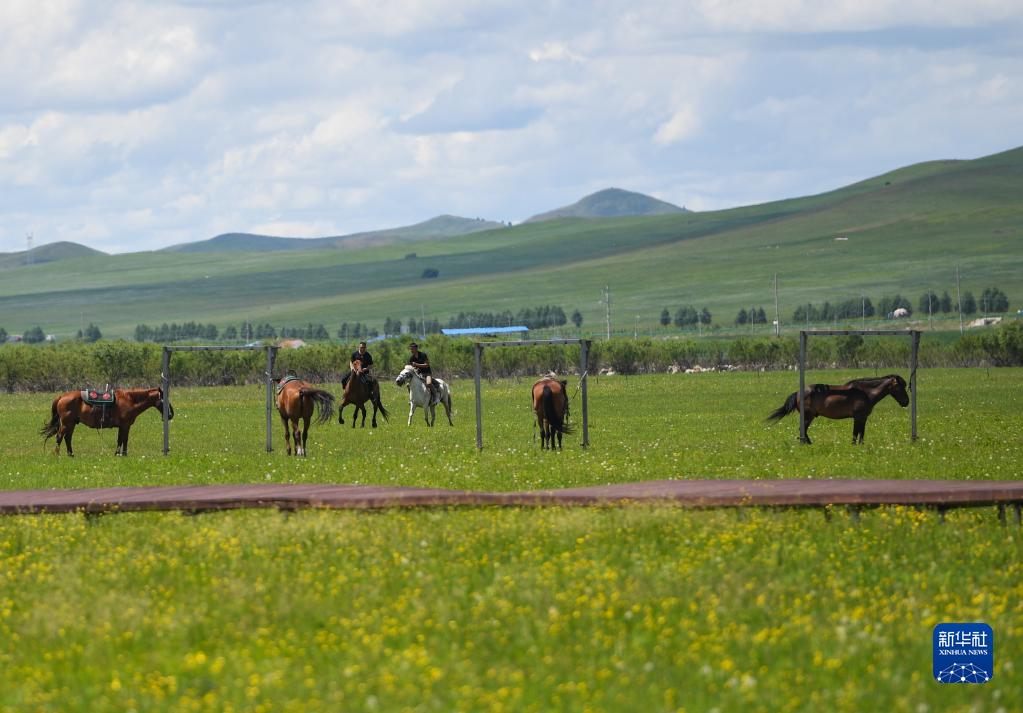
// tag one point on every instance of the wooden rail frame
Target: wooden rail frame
(271, 358)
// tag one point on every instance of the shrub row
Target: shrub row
(70, 365)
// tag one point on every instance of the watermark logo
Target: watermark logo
(963, 653)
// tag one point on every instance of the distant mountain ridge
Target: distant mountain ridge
(611, 203)
(443, 226)
(51, 252)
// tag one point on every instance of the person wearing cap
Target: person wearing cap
(421, 363)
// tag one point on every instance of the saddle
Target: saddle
(287, 377)
(98, 397)
(102, 399)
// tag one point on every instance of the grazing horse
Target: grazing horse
(70, 409)
(855, 399)
(296, 400)
(550, 403)
(358, 392)
(419, 395)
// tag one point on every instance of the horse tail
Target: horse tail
(550, 413)
(380, 406)
(324, 400)
(50, 428)
(790, 405)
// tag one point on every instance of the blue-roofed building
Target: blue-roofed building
(483, 331)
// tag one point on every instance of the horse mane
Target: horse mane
(137, 395)
(872, 381)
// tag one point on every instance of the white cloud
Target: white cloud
(143, 124)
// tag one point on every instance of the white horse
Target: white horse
(419, 395)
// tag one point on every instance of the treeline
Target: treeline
(992, 300)
(69, 365)
(686, 316)
(247, 332)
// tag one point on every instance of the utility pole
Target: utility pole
(930, 300)
(777, 314)
(607, 300)
(959, 300)
(863, 306)
(635, 330)
(422, 322)
(28, 250)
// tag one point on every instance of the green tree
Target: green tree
(665, 317)
(969, 303)
(742, 317)
(705, 316)
(945, 303)
(3, 335)
(994, 300)
(577, 319)
(34, 335)
(92, 333)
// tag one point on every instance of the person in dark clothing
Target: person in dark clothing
(365, 359)
(421, 362)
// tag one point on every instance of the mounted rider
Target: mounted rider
(362, 371)
(421, 363)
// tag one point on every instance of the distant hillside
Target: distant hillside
(50, 252)
(443, 226)
(611, 203)
(902, 232)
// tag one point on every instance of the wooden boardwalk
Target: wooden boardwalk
(941, 494)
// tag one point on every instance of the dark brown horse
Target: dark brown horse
(296, 400)
(358, 392)
(855, 399)
(69, 409)
(550, 404)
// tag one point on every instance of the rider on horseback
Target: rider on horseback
(421, 363)
(365, 361)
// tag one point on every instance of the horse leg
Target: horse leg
(806, 427)
(287, 433)
(305, 435)
(341, 411)
(296, 433)
(431, 413)
(374, 412)
(69, 431)
(447, 409)
(411, 410)
(122, 441)
(859, 428)
(363, 407)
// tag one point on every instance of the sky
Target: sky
(134, 126)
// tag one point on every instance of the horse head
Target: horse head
(405, 375)
(159, 405)
(898, 390)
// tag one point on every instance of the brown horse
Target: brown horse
(550, 403)
(70, 409)
(296, 400)
(855, 399)
(358, 392)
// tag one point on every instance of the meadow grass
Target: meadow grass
(502, 610)
(645, 608)
(641, 428)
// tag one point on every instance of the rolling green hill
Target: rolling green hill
(51, 252)
(439, 227)
(610, 203)
(903, 232)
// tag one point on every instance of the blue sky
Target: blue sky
(133, 126)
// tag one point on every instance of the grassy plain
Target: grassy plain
(508, 610)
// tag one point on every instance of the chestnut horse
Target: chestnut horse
(550, 403)
(855, 399)
(295, 401)
(358, 392)
(70, 409)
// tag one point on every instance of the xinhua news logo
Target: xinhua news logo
(964, 653)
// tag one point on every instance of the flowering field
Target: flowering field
(511, 609)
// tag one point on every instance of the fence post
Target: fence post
(478, 354)
(802, 386)
(165, 383)
(271, 357)
(913, 358)
(584, 352)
